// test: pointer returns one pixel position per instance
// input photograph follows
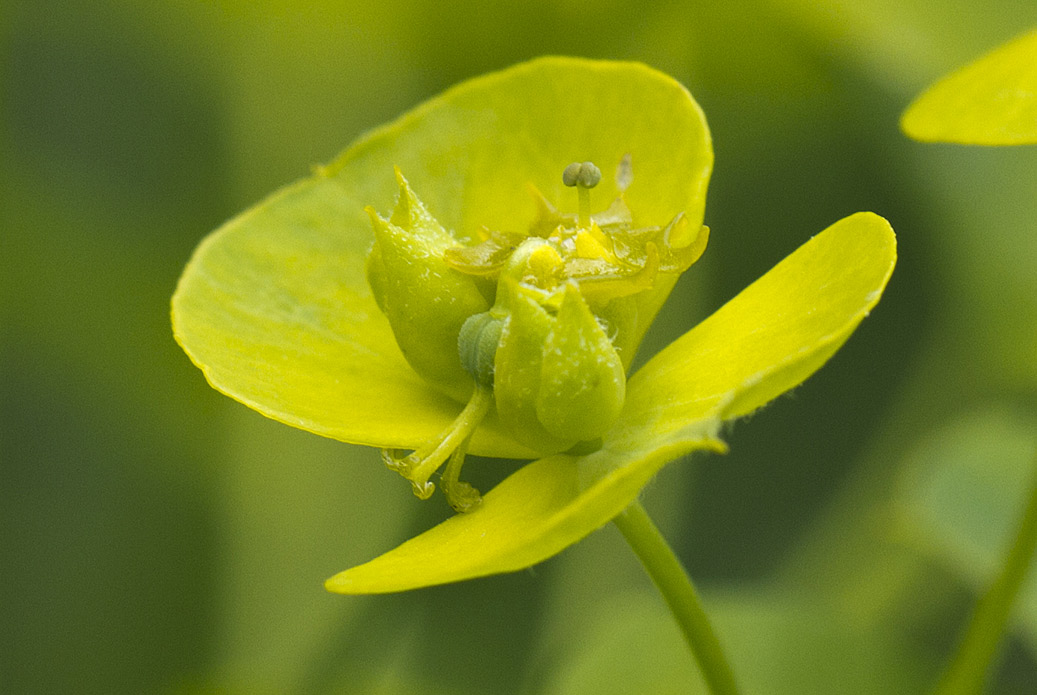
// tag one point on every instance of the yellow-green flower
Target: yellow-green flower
(992, 101)
(294, 309)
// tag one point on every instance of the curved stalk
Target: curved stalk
(683, 600)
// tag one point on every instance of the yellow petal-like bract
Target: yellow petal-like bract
(275, 306)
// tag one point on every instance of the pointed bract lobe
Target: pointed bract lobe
(582, 382)
(425, 300)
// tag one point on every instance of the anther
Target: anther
(582, 174)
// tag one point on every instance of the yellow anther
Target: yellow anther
(545, 266)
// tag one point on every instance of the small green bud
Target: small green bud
(477, 346)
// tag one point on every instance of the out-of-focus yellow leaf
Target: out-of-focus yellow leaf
(992, 101)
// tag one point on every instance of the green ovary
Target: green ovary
(558, 378)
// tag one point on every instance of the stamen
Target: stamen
(419, 465)
(459, 494)
(584, 176)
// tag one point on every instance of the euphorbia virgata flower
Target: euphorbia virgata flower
(536, 221)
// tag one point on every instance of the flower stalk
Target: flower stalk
(680, 595)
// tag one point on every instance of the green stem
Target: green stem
(675, 585)
(967, 672)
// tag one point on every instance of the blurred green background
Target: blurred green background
(156, 537)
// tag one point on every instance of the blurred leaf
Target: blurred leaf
(778, 644)
(106, 530)
(961, 496)
(897, 42)
(992, 101)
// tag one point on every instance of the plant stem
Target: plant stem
(675, 585)
(967, 672)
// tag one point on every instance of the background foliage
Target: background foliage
(158, 537)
